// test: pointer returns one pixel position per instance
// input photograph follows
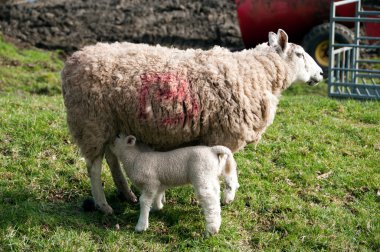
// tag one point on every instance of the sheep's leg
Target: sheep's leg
(159, 200)
(95, 170)
(118, 176)
(209, 197)
(146, 200)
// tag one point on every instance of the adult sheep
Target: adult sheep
(168, 97)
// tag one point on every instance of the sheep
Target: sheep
(154, 172)
(169, 98)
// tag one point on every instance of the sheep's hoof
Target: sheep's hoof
(132, 197)
(104, 208)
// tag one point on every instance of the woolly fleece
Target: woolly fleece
(168, 97)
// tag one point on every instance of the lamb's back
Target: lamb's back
(176, 167)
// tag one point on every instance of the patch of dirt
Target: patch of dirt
(8, 62)
(69, 25)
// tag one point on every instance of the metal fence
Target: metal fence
(352, 73)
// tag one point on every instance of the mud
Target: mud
(69, 25)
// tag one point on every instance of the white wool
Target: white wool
(154, 172)
(170, 98)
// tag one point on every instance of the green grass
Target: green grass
(283, 204)
(32, 71)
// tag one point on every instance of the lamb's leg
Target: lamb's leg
(231, 182)
(95, 170)
(159, 200)
(118, 176)
(146, 200)
(209, 197)
(163, 199)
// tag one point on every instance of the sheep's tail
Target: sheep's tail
(229, 172)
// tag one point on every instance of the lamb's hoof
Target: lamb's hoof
(141, 227)
(212, 229)
(104, 208)
(227, 201)
(156, 208)
(163, 200)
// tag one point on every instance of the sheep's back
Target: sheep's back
(135, 89)
(165, 97)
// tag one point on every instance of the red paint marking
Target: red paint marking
(168, 90)
(167, 121)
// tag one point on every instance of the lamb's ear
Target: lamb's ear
(282, 39)
(131, 140)
(272, 37)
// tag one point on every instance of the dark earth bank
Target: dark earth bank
(70, 24)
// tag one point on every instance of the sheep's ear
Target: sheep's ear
(131, 140)
(272, 37)
(282, 39)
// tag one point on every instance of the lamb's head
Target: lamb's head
(304, 67)
(122, 143)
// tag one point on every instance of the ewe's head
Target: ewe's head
(304, 67)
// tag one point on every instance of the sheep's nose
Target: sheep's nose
(321, 73)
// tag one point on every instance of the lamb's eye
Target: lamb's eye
(299, 55)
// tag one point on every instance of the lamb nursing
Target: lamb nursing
(154, 172)
(169, 98)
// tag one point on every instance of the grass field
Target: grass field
(313, 183)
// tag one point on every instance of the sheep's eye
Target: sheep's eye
(299, 55)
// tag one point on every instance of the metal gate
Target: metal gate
(352, 73)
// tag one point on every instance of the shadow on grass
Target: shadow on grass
(22, 210)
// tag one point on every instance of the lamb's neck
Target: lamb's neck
(129, 156)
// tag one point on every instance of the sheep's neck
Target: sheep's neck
(277, 70)
(282, 79)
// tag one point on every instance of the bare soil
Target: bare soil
(71, 24)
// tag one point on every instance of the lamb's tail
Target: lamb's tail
(229, 171)
(219, 149)
(223, 153)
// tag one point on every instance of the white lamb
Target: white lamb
(154, 172)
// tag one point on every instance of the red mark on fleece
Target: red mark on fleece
(170, 92)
